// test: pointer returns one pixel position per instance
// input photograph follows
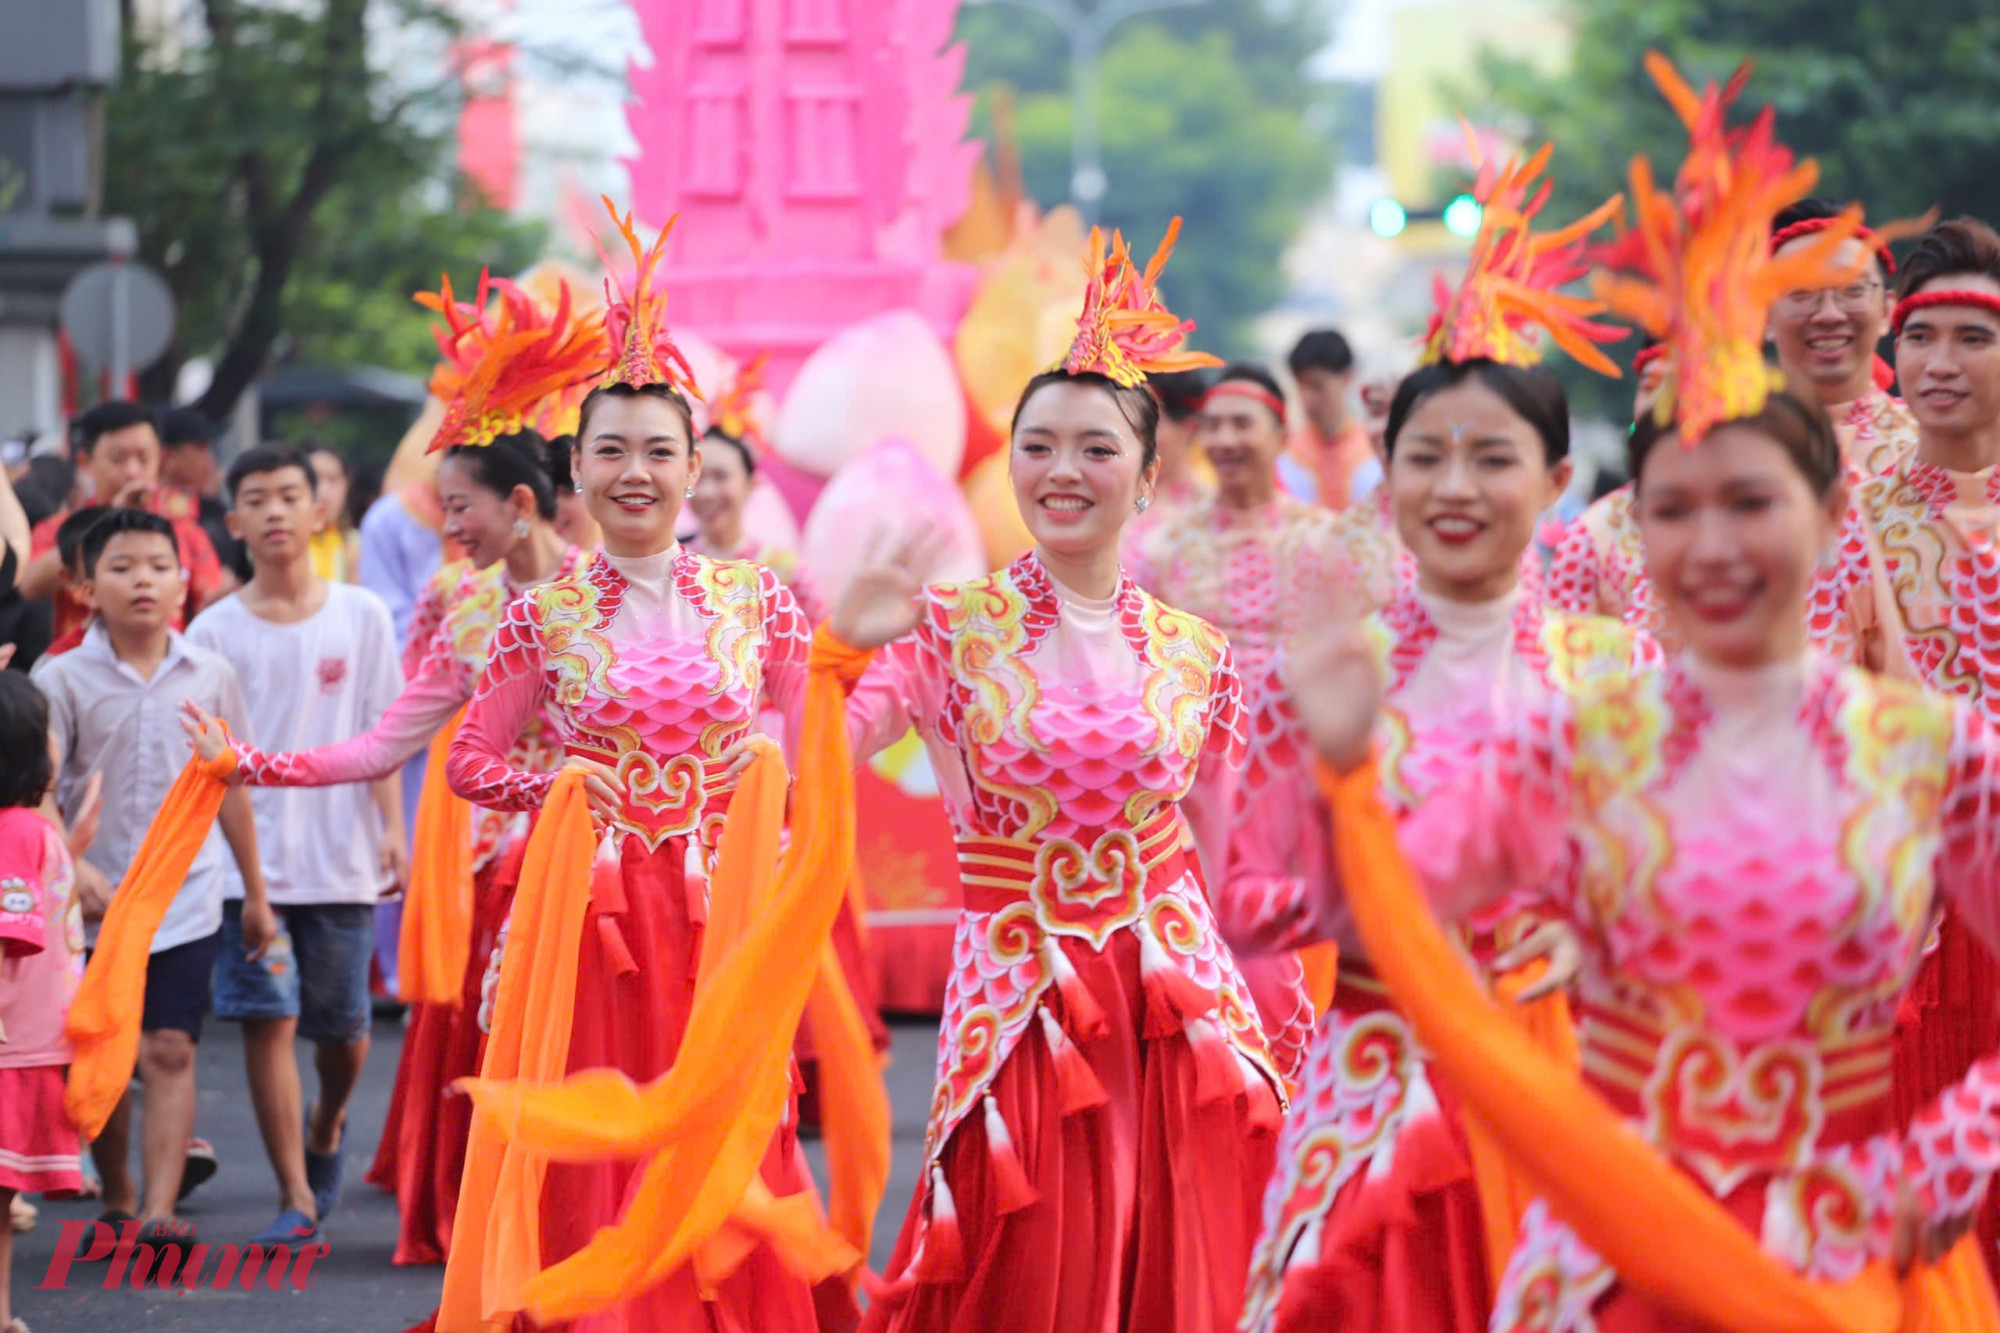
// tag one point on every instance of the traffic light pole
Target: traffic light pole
(1087, 31)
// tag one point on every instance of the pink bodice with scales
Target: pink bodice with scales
(1755, 856)
(1064, 726)
(446, 671)
(652, 665)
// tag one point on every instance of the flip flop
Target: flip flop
(291, 1227)
(199, 1168)
(116, 1217)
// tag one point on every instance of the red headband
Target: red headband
(1647, 356)
(1246, 389)
(1784, 235)
(1909, 305)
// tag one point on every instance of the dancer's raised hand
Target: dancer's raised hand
(880, 602)
(1336, 685)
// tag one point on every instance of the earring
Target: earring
(1142, 504)
(688, 493)
(520, 528)
(578, 486)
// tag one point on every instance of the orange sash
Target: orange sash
(110, 1002)
(436, 940)
(1600, 1177)
(707, 1123)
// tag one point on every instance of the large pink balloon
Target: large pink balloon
(886, 376)
(888, 493)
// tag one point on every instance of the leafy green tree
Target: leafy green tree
(292, 191)
(1899, 103)
(1208, 112)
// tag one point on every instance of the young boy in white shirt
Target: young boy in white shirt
(318, 664)
(114, 711)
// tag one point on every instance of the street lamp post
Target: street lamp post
(1087, 31)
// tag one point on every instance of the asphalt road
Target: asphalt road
(355, 1288)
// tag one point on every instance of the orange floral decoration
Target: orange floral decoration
(1125, 332)
(1513, 279)
(507, 363)
(642, 349)
(1695, 270)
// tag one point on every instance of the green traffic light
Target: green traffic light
(1462, 215)
(1387, 218)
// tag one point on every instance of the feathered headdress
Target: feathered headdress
(1696, 270)
(1125, 333)
(731, 414)
(642, 349)
(1512, 280)
(506, 363)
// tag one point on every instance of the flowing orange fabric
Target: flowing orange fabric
(496, 1237)
(436, 938)
(708, 1122)
(110, 1001)
(1601, 1178)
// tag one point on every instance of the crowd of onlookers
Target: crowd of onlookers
(141, 575)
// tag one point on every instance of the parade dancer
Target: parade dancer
(1934, 519)
(1106, 1101)
(1758, 838)
(498, 496)
(651, 662)
(1258, 565)
(1374, 1216)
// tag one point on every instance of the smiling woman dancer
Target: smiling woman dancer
(1106, 1103)
(1374, 1218)
(651, 662)
(1761, 838)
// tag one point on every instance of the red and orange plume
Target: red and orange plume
(642, 348)
(730, 413)
(1125, 333)
(507, 363)
(1696, 271)
(1513, 279)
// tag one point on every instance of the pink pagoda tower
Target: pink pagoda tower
(815, 152)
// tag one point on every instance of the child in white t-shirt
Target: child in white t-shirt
(317, 662)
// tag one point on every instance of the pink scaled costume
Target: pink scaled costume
(423, 1142)
(654, 666)
(1372, 1218)
(1758, 856)
(1106, 1101)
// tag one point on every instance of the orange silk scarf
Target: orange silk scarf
(110, 1002)
(435, 944)
(1600, 1177)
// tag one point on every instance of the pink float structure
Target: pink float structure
(815, 152)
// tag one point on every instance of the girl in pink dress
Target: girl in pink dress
(1373, 1218)
(1106, 1101)
(650, 663)
(41, 959)
(499, 500)
(1753, 844)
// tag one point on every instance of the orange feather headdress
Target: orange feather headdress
(642, 349)
(507, 364)
(1513, 277)
(1696, 269)
(1125, 333)
(731, 412)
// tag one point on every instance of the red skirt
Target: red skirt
(39, 1148)
(422, 1153)
(634, 1022)
(1147, 1206)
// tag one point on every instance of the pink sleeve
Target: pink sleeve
(787, 636)
(904, 687)
(510, 691)
(434, 693)
(1571, 584)
(1278, 862)
(25, 849)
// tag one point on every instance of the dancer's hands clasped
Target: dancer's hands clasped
(881, 603)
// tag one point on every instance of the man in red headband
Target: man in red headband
(1827, 337)
(1259, 565)
(1935, 518)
